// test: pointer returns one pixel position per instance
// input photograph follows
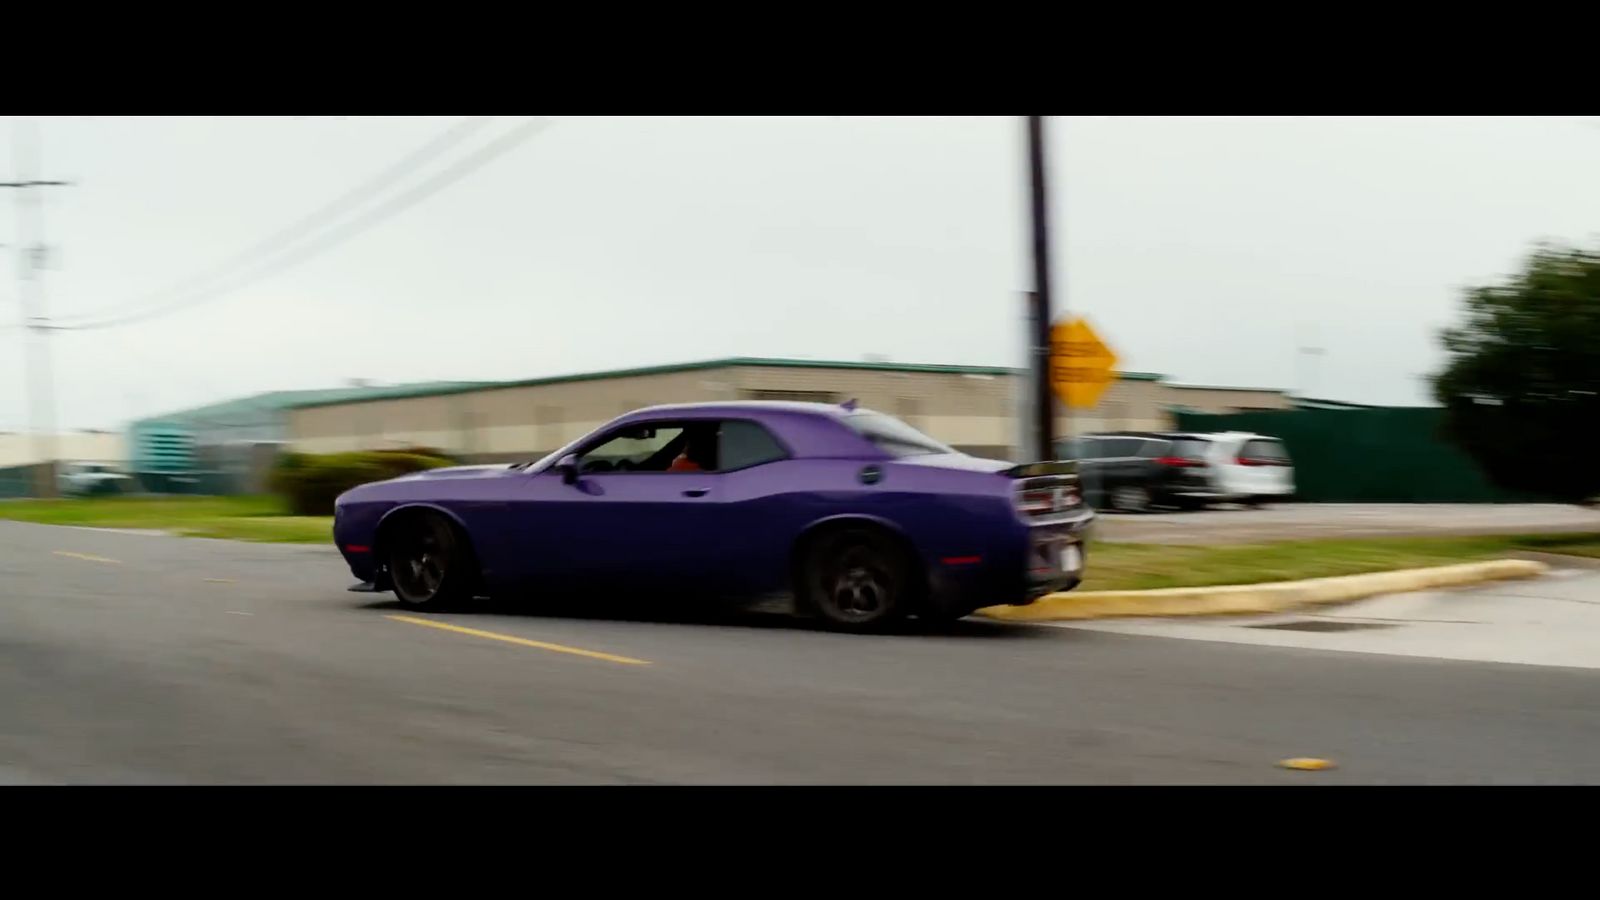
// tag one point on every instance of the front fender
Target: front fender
(410, 508)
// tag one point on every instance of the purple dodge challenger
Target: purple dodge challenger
(857, 517)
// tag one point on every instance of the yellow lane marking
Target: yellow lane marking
(522, 642)
(88, 558)
(220, 581)
(1307, 765)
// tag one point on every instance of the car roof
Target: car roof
(808, 429)
(746, 406)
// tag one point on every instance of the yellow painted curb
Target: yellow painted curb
(1258, 599)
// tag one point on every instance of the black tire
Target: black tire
(1130, 498)
(430, 563)
(857, 580)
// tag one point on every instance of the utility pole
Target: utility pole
(31, 256)
(1042, 313)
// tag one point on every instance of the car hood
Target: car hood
(489, 471)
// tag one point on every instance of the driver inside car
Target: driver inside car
(696, 455)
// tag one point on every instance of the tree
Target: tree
(1521, 389)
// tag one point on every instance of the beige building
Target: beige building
(72, 446)
(969, 407)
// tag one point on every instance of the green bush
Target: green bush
(310, 483)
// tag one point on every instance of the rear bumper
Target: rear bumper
(1051, 560)
(1056, 562)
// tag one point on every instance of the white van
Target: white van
(1250, 468)
(83, 479)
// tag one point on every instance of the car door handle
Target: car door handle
(697, 492)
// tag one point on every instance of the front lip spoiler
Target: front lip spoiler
(379, 584)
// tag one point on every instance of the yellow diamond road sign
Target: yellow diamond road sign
(1081, 365)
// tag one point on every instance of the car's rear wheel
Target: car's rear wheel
(430, 564)
(857, 579)
(1131, 498)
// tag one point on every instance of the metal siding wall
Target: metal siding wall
(976, 411)
(496, 422)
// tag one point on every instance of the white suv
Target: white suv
(1250, 468)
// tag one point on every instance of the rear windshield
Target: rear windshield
(1189, 448)
(1272, 450)
(894, 436)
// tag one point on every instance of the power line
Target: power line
(463, 167)
(413, 161)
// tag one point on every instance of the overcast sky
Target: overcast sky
(1207, 249)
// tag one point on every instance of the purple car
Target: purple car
(855, 516)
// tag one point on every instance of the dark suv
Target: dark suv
(1134, 471)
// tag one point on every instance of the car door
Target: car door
(1122, 465)
(628, 522)
(755, 514)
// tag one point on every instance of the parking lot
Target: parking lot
(1291, 521)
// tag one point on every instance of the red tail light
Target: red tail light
(1044, 501)
(1179, 462)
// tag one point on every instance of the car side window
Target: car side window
(743, 444)
(1123, 448)
(631, 450)
(654, 447)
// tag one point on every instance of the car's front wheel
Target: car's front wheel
(430, 564)
(857, 579)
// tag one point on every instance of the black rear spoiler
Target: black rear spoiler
(1042, 470)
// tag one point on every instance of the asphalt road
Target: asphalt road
(153, 660)
(1311, 521)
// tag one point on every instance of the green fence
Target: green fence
(16, 482)
(1368, 455)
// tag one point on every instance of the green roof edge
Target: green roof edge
(270, 402)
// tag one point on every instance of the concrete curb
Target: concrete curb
(1558, 560)
(1258, 599)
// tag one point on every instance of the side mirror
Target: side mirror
(568, 467)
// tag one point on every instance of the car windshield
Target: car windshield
(894, 436)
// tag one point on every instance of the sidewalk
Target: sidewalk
(1307, 521)
(1548, 621)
